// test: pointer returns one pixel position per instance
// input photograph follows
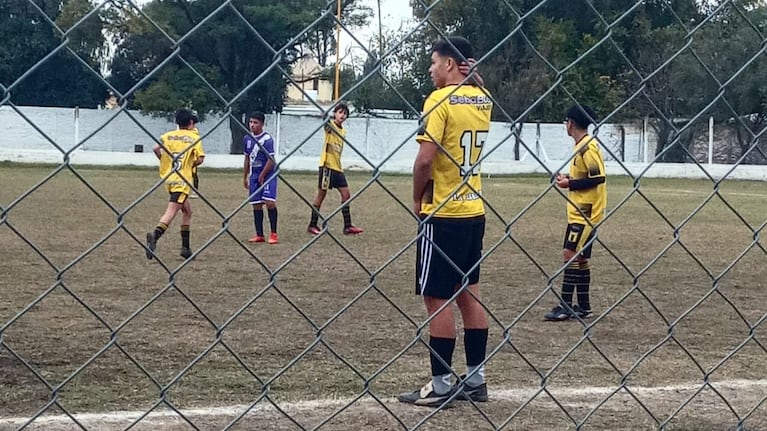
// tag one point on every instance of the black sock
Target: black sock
(583, 285)
(347, 215)
(159, 230)
(185, 235)
(272, 219)
(475, 345)
(258, 220)
(568, 283)
(444, 348)
(315, 216)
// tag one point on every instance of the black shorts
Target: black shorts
(178, 197)
(331, 179)
(461, 242)
(576, 236)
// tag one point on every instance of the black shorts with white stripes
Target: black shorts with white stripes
(448, 253)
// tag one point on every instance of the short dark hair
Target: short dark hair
(342, 106)
(456, 47)
(183, 117)
(258, 115)
(581, 115)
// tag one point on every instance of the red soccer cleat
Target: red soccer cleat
(351, 230)
(256, 238)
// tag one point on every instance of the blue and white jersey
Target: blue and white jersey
(258, 149)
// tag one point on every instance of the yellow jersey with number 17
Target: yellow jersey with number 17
(182, 148)
(457, 118)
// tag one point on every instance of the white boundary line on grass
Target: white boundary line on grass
(519, 394)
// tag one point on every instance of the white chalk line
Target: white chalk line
(519, 394)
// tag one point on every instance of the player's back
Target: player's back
(179, 155)
(457, 119)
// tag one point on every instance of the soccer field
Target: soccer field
(311, 324)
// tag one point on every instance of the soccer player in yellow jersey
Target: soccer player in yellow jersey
(180, 152)
(447, 196)
(587, 200)
(331, 173)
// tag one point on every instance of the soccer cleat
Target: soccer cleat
(426, 397)
(256, 238)
(273, 238)
(351, 230)
(314, 230)
(465, 392)
(186, 252)
(559, 313)
(581, 312)
(151, 244)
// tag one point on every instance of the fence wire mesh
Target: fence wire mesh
(322, 334)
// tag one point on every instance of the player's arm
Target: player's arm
(269, 149)
(427, 151)
(157, 150)
(245, 171)
(431, 132)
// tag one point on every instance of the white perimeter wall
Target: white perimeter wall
(108, 138)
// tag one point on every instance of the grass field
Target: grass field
(314, 322)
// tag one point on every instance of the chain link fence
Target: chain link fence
(676, 343)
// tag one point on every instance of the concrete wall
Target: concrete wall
(374, 142)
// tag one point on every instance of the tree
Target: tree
(321, 39)
(28, 37)
(230, 58)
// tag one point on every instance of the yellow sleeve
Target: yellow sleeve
(433, 121)
(198, 149)
(593, 161)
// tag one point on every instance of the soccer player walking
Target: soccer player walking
(587, 200)
(258, 176)
(447, 196)
(331, 173)
(181, 150)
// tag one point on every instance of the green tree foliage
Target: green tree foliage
(225, 51)
(28, 36)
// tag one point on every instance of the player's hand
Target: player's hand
(245, 183)
(563, 181)
(260, 179)
(464, 67)
(417, 208)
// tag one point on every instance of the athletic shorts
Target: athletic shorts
(576, 236)
(461, 242)
(178, 197)
(267, 193)
(331, 179)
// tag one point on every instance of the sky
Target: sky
(395, 14)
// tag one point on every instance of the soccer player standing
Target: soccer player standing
(181, 150)
(331, 173)
(259, 177)
(587, 201)
(447, 196)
